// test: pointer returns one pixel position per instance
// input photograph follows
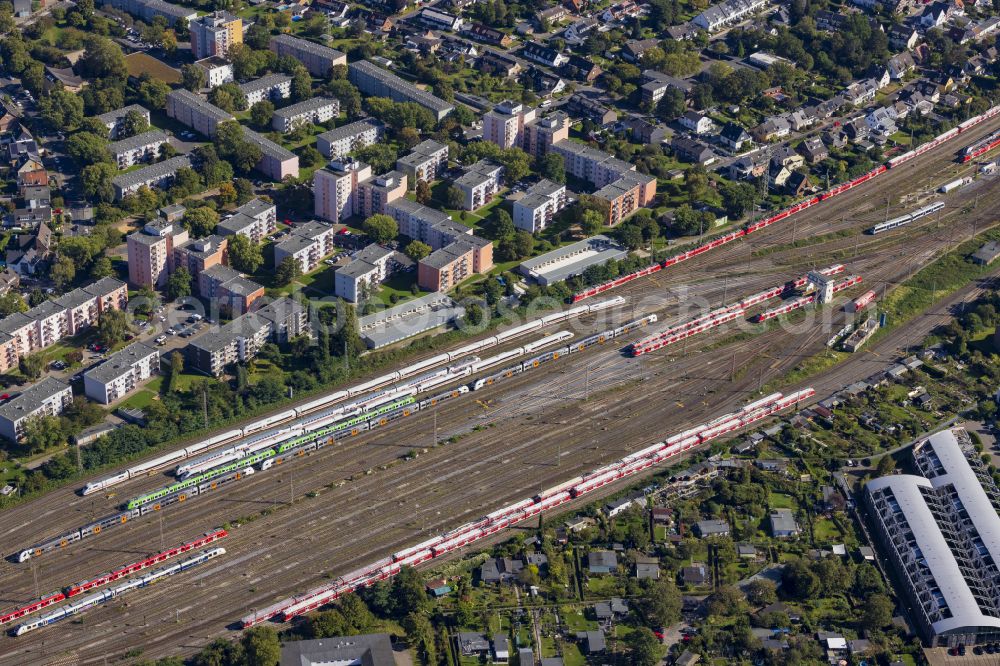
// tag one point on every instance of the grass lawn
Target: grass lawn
(781, 501)
(603, 586)
(321, 280)
(141, 399)
(572, 655)
(825, 530)
(399, 284)
(574, 619)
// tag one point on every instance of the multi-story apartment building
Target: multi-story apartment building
(446, 267)
(121, 373)
(375, 193)
(319, 60)
(316, 111)
(276, 162)
(626, 195)
(541, 133)
(45, 324)
(48, 397)
(159, 174)
(539, 205)
(308, 243)
(338, 142)
(139, 148)
(374, 81)
(270, 87)
(618, 183)
(255, 219)
(147, 10)
(189, 109)
(217, 70)
(214, 34)
(365, 272)
(227, 288)
(113, 119)
(940, 531)
(590, 164)
(426, 162)
(241, 339)
(728, 13)
(428, 225)
(479, 184)
(504, 125)
(335, 188)
(199, 254)
(151, 253)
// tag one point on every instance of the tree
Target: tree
(877, 611)
(245, 255)
(408, 593)
(420, 636)
(737, 198)
(503, 225)
(381, 228)
(227, 194)
(43, 432)
(516, 164)
(228, 97)
(103, 59)
(132, 124)
(885, 466)
(61, 109)
(672, 105)
(454, 197)
(201, 221)
(96, 180)
(113, 327)
(799, 580)
(553, 167)
(31, 366)
(287, 270)
(261, 646)
(233, 146)
(63, 271)
(423, 192)
(346, 340)
(381, 156)
(727, 600)
(244, 190)
(88, 148)
(176, 368)
(761, 592)
(153, 93)
(261, 113)
(302, 83)
(417, 250)
(179, 284)
(661, 603)
(646, 648)
(688, 221)
(630, 236)
(12, 302)
(591, 222)
(192, 77)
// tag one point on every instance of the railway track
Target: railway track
(272, 556)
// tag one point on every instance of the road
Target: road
(294, 527)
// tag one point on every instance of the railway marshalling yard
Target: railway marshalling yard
(357, 501)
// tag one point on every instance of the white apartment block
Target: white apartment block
(217, 70)
(339, 142)
(308, 243)
(48, 397)
(255, 219)
(139, 148)
(335, 188)
(121, 373)
(539, 205)
(113, 119)
(317, 110)
(479, 184)
(155, 175)
(271, 87)
(426, 162)
(189, 109)
(366, 271)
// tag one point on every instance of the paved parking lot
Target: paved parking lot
(940, 657)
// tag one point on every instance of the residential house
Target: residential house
(484, 33)
(601, 561)
(586, 107)
(797, 184)
(690, 150)
(900, 65)
(903, 37)
(543, 55)
(710, 528)
(500, 570)
(734, 138)
(696, 574)
(783, 523)
(771, 129)
(813, 150)
(696, 123)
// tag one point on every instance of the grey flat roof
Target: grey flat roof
(305, 106)
(428, 147)
(265, 82)
(120, 362)
(188, 98)
(479, 172)
(267, 146)
(31, 399)
(572, 259)
(152, 172)
(303, 235)
(408, 319)
(235, 224)
(351, 129)
(365, 261)
(114, 116)
(307, 46)
(221, 273)
(390, 80)
(138, 141)
(202, 247)
(255, 206)
(364, 650)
